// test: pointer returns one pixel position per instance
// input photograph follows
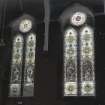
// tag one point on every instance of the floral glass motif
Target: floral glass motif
(87, 61)
(70, 62)
(16, 67)
(29, 65)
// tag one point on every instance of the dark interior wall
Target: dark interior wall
(48, 77)
(58, 6)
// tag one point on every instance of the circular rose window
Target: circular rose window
(78, 18)
(25, 25)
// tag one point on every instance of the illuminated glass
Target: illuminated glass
(70, 62)
(28, 89)
(16, 67)
(87, 61)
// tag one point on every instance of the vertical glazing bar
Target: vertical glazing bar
(70, 62)
(16, 67)
(28, 89)
(87, 61)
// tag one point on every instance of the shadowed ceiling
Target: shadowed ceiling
(36, 7)
(16, 8)
(57, 6)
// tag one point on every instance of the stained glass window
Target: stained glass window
(23, 69)
(23, 58)
(79, 70)
(87, 61)
(29, 65)
(25, 25)
(70, 62)
(16, 67)
(78, 18)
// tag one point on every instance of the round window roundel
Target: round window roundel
(25, 25)
(78, 18)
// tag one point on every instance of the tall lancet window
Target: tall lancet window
(70, 61)
(16, 66)
(87, 61)
(29, 65)
(79, 58)
(23, 59)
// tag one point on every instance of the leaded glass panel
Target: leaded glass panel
(28, 89)
(16, 67)
(87, 61)
(70, 62)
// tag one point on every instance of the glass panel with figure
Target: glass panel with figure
(28, 89)
(16, 67)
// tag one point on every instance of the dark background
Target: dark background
(48, 75)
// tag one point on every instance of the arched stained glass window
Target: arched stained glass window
(87, 61)
(70, 61)
(23, 58)
(79, 64)
(16, 66)
(29, 65)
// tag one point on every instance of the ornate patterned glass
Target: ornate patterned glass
(28, 89)
(16, 67)
(79, 56)
(70, 62)
(87, 61)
